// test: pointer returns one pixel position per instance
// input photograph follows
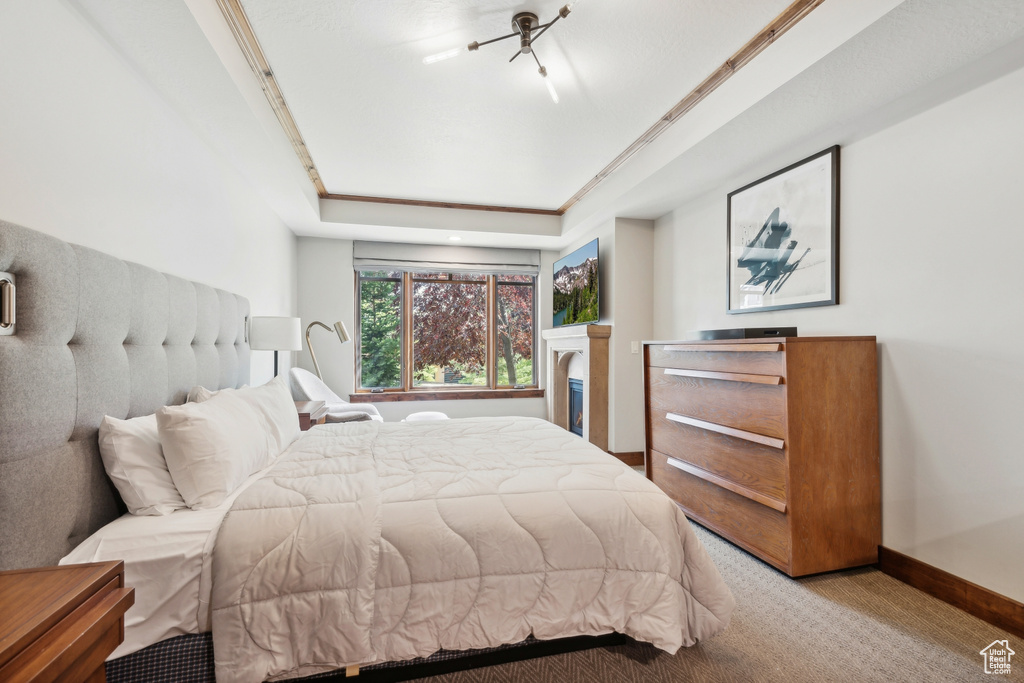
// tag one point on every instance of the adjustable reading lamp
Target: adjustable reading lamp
(339, 328)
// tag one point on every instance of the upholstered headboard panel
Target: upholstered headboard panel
(94, 336)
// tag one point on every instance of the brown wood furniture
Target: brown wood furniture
(773, 444)
(61, 623)
(311, 413)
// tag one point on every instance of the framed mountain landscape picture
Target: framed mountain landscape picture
(783, 238)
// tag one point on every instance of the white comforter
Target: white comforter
(371, 542)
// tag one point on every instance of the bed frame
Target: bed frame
(98, 336)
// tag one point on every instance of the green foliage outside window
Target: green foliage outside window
(380, 327)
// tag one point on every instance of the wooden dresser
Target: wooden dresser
(61, 623)
(772, 444)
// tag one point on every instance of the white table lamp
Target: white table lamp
(271, 333)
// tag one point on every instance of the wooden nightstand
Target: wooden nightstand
(61, 623)
(311, 413)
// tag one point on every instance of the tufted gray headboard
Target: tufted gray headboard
(94, 336)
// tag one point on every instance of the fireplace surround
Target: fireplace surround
(590, 341)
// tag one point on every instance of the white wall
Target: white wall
(633, 298)
(625, 253)
(930, 227)
(326, 284)
(91, 154)
(326, 289)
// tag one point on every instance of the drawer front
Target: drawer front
(753, 362)
(753, 465)
(760, 529)
(757, 408)
(75, 647)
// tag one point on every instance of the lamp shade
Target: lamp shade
(271, 333)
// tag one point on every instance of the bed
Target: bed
(356, 544)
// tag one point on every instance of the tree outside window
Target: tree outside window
(515, 306)
(460, 330)
(449, 332)
(380, 329)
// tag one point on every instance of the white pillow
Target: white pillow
(195, 393)
(425, 415)
(135, 463)
(198, 394)
(274, 402)
(212, 447)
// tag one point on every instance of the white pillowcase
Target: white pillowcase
(198, 394)
(135, 463)
(274, 402)
(212, 447)
(424, 416)
(275, 405)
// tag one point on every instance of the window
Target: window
(380, 329)
(436, 330)
(514, 310)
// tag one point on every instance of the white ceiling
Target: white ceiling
(919, 54)
(479, 130)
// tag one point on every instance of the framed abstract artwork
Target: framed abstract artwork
(783, 238)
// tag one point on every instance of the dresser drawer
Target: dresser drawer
(772, 443)
(695, 357)
(756, 527)
(61, 623)
(753, 465)
(747, 406)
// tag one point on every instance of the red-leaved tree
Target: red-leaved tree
(515, 326)
(450, 324)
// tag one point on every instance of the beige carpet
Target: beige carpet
(857, 625)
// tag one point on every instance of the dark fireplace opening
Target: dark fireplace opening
(576, 406)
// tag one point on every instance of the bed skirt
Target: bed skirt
(189, 659)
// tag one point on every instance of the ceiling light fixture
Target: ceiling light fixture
(455, 238)
(527, 26)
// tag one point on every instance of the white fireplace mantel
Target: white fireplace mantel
(591, 341)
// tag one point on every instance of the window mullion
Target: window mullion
(492, 332)
(407, 334)
(357, 373)
(535, 366)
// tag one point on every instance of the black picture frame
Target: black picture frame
(782, 238)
